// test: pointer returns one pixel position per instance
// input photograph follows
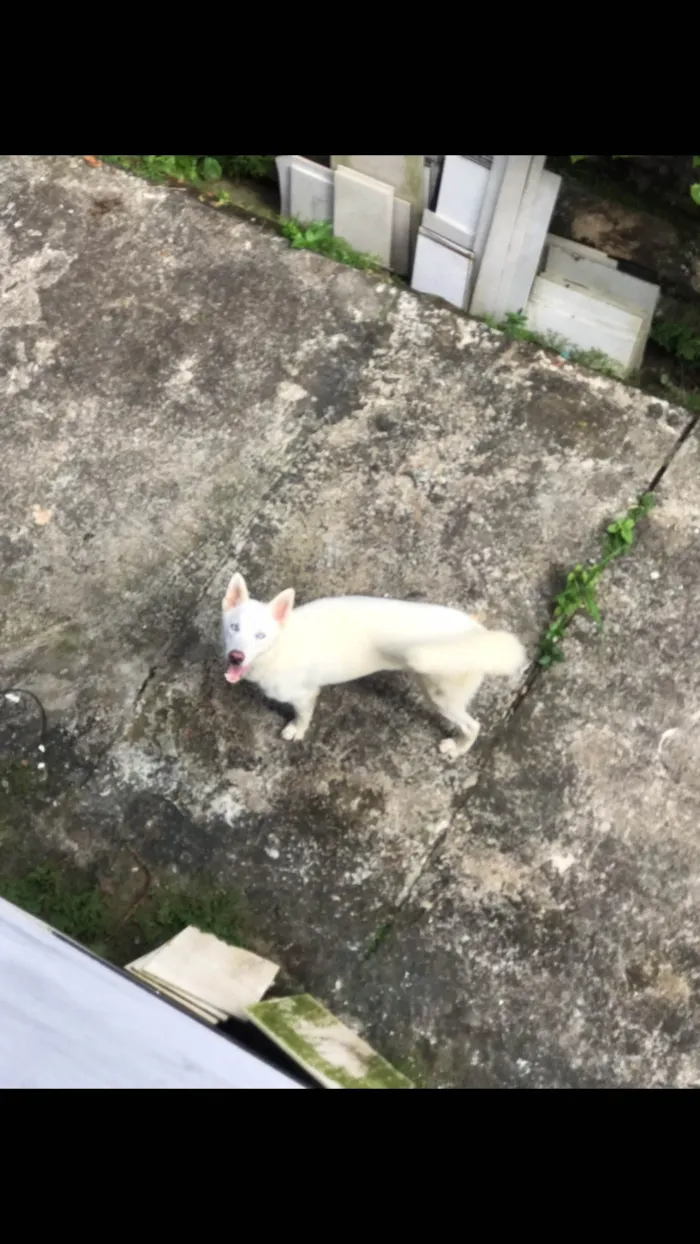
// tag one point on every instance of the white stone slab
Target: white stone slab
(403, 172)
(493, 189)
(628, 291)
(310, 190)
(406, 173)
(537, 213)
(401, 238)
(445, 230)
(201, 967)
(441, 269)
(577, 248)
(590, 321)
(503, 300)
(485, 298)
(69, 1020)
(364, 213)
(284, 163)
(462, 192)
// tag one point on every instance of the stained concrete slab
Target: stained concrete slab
(231, 402)
(554, 940)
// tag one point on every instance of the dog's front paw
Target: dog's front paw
(292, 733)
(449, 748)
(452, 748)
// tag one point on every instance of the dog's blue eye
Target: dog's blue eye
(260, 635)
(236, 627)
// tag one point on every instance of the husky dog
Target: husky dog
(291, 653)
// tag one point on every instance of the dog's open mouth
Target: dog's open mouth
(236, 666)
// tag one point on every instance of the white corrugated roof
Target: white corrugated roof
(69, 1020)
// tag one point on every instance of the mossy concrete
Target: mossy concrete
(315, 1039)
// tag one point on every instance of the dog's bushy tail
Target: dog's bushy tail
(475, 652)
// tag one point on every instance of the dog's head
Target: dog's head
(250, 627)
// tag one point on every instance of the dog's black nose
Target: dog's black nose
(236, 657)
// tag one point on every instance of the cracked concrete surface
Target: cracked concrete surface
(183, 394)
(554, 940)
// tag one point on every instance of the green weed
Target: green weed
(319, 237)
(579, 592)
(514, 326)
(253, 167)
(196, 170)
(74, 903)
(160, 168)
(680, 337)
(61, 899)
(596, 360)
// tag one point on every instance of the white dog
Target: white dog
(291, 653)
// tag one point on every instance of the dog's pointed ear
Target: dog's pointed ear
(236, 593)
(282, 605)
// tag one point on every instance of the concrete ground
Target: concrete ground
(184, 395)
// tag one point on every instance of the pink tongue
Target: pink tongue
(234, 673)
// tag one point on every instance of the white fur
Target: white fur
(292, 653)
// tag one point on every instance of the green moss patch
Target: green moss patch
(116, 923)
(314, 1038)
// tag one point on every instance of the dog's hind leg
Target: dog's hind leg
(303, 706)
(451, 699)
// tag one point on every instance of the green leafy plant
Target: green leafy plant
(579, 592)
(319, 237)
(254, 167)
(514, 326)
(596, 360)
(72, 908)
(209, 168)
(160, 168)
(196, 169)
(680, 337)
(76, 904)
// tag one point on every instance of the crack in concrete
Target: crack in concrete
(530, 682)
(146, 682)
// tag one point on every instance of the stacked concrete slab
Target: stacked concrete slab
(482, 246)
(374, 202)
(486, 249)
(583, 297)
(474, 230)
